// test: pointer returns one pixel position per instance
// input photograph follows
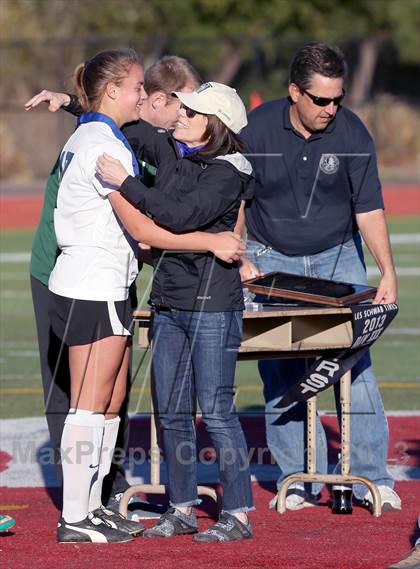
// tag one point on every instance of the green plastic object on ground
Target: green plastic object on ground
(6, 522)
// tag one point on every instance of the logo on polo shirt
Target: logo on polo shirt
(329, 163)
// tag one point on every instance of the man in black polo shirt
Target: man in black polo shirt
(317, 191)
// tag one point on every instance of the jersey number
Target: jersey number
(65, 159)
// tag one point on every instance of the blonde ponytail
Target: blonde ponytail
(79, 88)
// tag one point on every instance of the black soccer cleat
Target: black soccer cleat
(117, 521)
(90, 530)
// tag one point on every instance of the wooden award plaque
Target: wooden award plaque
(277, 285)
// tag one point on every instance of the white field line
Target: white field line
(373, 271)
(22, 354)
(13, 295)
(13, 275)
(22, 377)
(23, 257)
(396, 239)
(405, 238)
(402, 332)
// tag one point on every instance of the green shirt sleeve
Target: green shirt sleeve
(44, 246)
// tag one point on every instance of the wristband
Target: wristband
(73, 106)
(73, 100)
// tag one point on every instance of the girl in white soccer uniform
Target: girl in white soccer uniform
(90, 282)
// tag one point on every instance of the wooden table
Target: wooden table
(275, 333)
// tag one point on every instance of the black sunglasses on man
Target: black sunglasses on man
(324, 101)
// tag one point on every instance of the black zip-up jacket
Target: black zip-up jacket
(191, 193)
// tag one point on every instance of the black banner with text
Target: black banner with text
(368, 322)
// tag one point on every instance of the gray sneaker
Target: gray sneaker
(173, 522)
(228, 528)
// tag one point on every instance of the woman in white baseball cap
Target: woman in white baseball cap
(219, 100)
(197, 300)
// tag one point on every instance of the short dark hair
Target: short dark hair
(316, 58)
(221, 140)
(170, 73)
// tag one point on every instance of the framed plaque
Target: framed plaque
(308, 289)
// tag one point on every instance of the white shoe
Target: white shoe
(296, 499)
(389, 499)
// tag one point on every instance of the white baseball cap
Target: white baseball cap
(217, 99)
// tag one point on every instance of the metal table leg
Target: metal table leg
(345, 477)
(155, 487)
(311, 435)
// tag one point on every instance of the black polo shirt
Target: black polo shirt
(308, 190)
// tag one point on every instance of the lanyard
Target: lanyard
(100, 117)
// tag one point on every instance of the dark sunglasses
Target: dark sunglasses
(189, 112)
(324, 101)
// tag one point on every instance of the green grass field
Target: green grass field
(396, 356)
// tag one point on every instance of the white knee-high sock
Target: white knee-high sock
(80, 451)
(107, 452)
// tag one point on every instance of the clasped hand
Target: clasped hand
(110, 170)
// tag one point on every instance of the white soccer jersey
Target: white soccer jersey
(97, 261)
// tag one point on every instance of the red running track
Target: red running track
(312, 538)
(22, 211)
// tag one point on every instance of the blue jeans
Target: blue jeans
(194, 356)
(369, 427)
